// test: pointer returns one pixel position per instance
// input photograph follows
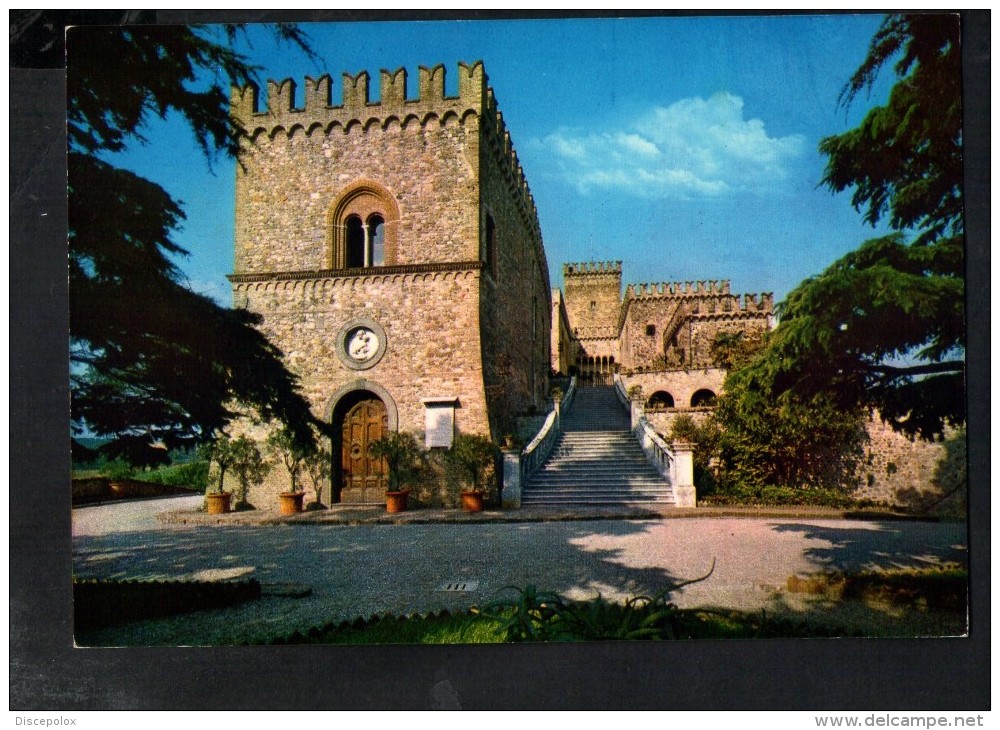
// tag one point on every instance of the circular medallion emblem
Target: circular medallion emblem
(361, 344)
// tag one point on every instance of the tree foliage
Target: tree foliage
(292, 454)
(884, 327)
(769, 440)
(153, 361)
(473, 455)
(404, 458)
(905, 158)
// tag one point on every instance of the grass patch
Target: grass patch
(476, 628)
(444, 628)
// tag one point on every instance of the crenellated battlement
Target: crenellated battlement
(731, 305)
(677, 288)
(496, 132)
(592, 267)
(278, 112)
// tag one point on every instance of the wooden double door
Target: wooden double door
(363, 476)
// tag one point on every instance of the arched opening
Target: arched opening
(376, 240)
(359, 419)
(703, 398)
(363, 226)
(660, 400)
(355, 233)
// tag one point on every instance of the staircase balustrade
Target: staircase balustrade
(519, 467)
(657, 451)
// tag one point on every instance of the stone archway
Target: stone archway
(360, 413)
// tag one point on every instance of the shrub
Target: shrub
(473, 456)
(766, 439)
(404, 457)
(193, 475)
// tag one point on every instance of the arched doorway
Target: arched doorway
(359, 419)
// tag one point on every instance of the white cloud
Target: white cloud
(692, 148)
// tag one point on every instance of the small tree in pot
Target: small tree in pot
(318, 466)
(220, 453)
(473, 455)
(249, 468)
(294, 455)
(405, 460)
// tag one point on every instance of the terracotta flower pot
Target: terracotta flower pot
(291, 502)
(472, 501)
(217, 503)
(396, 501)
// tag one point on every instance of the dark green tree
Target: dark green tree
(151, 360)
(884, 327)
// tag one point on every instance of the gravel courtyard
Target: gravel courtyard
(360, 570)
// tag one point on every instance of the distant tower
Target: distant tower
(593, 297)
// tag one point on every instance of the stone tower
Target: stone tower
(392, 248)
(593, 299)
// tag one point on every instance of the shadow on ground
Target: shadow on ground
(357, 571)
(875, 546)
(363, 570)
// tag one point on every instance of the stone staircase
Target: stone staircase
(596, 459)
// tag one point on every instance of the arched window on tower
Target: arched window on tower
(363, 227)
(355, 234)
(376, 241)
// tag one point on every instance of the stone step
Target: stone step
(590, 473)
(601, 493)
(597, 499)
(584, 488)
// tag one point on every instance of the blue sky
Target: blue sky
(685, 147)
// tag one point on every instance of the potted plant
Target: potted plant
(220, 452)
(249, 467)
(293, 455)
(473, 455)
(404, 460)
(318, 466)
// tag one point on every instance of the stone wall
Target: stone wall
(516, 313)
(641, 348)
(431, 323)
(702, 330)
(286, 195)
(681, 384)
(424, 152)
(662, 421)
(914, 474)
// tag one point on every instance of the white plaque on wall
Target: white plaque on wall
(439, 422)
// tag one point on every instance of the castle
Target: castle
(393, 251)
(658, 336)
